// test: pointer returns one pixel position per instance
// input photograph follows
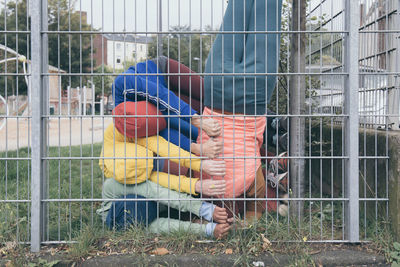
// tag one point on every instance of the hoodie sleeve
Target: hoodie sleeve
(150, 87)
(163, 148)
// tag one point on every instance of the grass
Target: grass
(246, 243)
(69, 179)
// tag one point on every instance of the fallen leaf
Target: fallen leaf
(228, 251)
(53, 251)
(266, 242)
(160, 251)
(314, 252)
(11, 245)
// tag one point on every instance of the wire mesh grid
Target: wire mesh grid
(323, 73)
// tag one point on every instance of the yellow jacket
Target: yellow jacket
(132, 163)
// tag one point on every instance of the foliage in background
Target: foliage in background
(185, 48)
(70, 53)
(13, 17)
(104, 82)
(279, 99)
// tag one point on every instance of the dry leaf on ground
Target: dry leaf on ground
(266, 242)
(228, 251)
(160, 251)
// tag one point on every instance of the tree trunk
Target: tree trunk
(297, 90)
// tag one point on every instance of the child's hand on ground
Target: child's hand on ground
(210, 187)
(210, 126)
(213, 167)
(221, 230)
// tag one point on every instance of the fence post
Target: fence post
(39, 88)
(352, 22)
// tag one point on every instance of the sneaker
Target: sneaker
(283, 142)
(279, 164)
(280, 180)
(280, 124)
(283, 124)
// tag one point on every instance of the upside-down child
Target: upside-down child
(238, 98)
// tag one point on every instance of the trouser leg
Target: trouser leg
(124, 213)
(190, 85)
(166, 225)
(190, 88)
(255, 209)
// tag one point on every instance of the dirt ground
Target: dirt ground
(62, 132)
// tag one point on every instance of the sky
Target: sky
(142, 15)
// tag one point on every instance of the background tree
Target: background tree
(103, 83)
(185, 48)
(13, 17)
(69, 52)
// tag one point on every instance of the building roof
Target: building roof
(129, 38)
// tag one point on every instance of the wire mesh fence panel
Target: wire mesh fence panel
(15, 122)
(176, 115)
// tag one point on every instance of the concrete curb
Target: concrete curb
(344, 257)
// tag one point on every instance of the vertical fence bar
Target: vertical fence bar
(36, 166)
(352, 10)
(45, 102)
(38, 85)
(160, 36)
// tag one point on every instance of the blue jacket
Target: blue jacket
(152, 88)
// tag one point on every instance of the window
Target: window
(118, 60)
(118, 46)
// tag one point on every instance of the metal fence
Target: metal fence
(52, 132)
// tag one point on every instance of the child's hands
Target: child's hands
(210, 187)
(210, 126)
(210, 149)
(213, 167)
(221, 230)
(220, 215)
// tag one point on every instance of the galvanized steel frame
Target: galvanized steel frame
(39, 84)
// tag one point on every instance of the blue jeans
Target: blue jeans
(124, 213)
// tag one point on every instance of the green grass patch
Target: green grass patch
(67, 179)
(77, 221)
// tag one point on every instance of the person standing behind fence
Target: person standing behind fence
(243, 88)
